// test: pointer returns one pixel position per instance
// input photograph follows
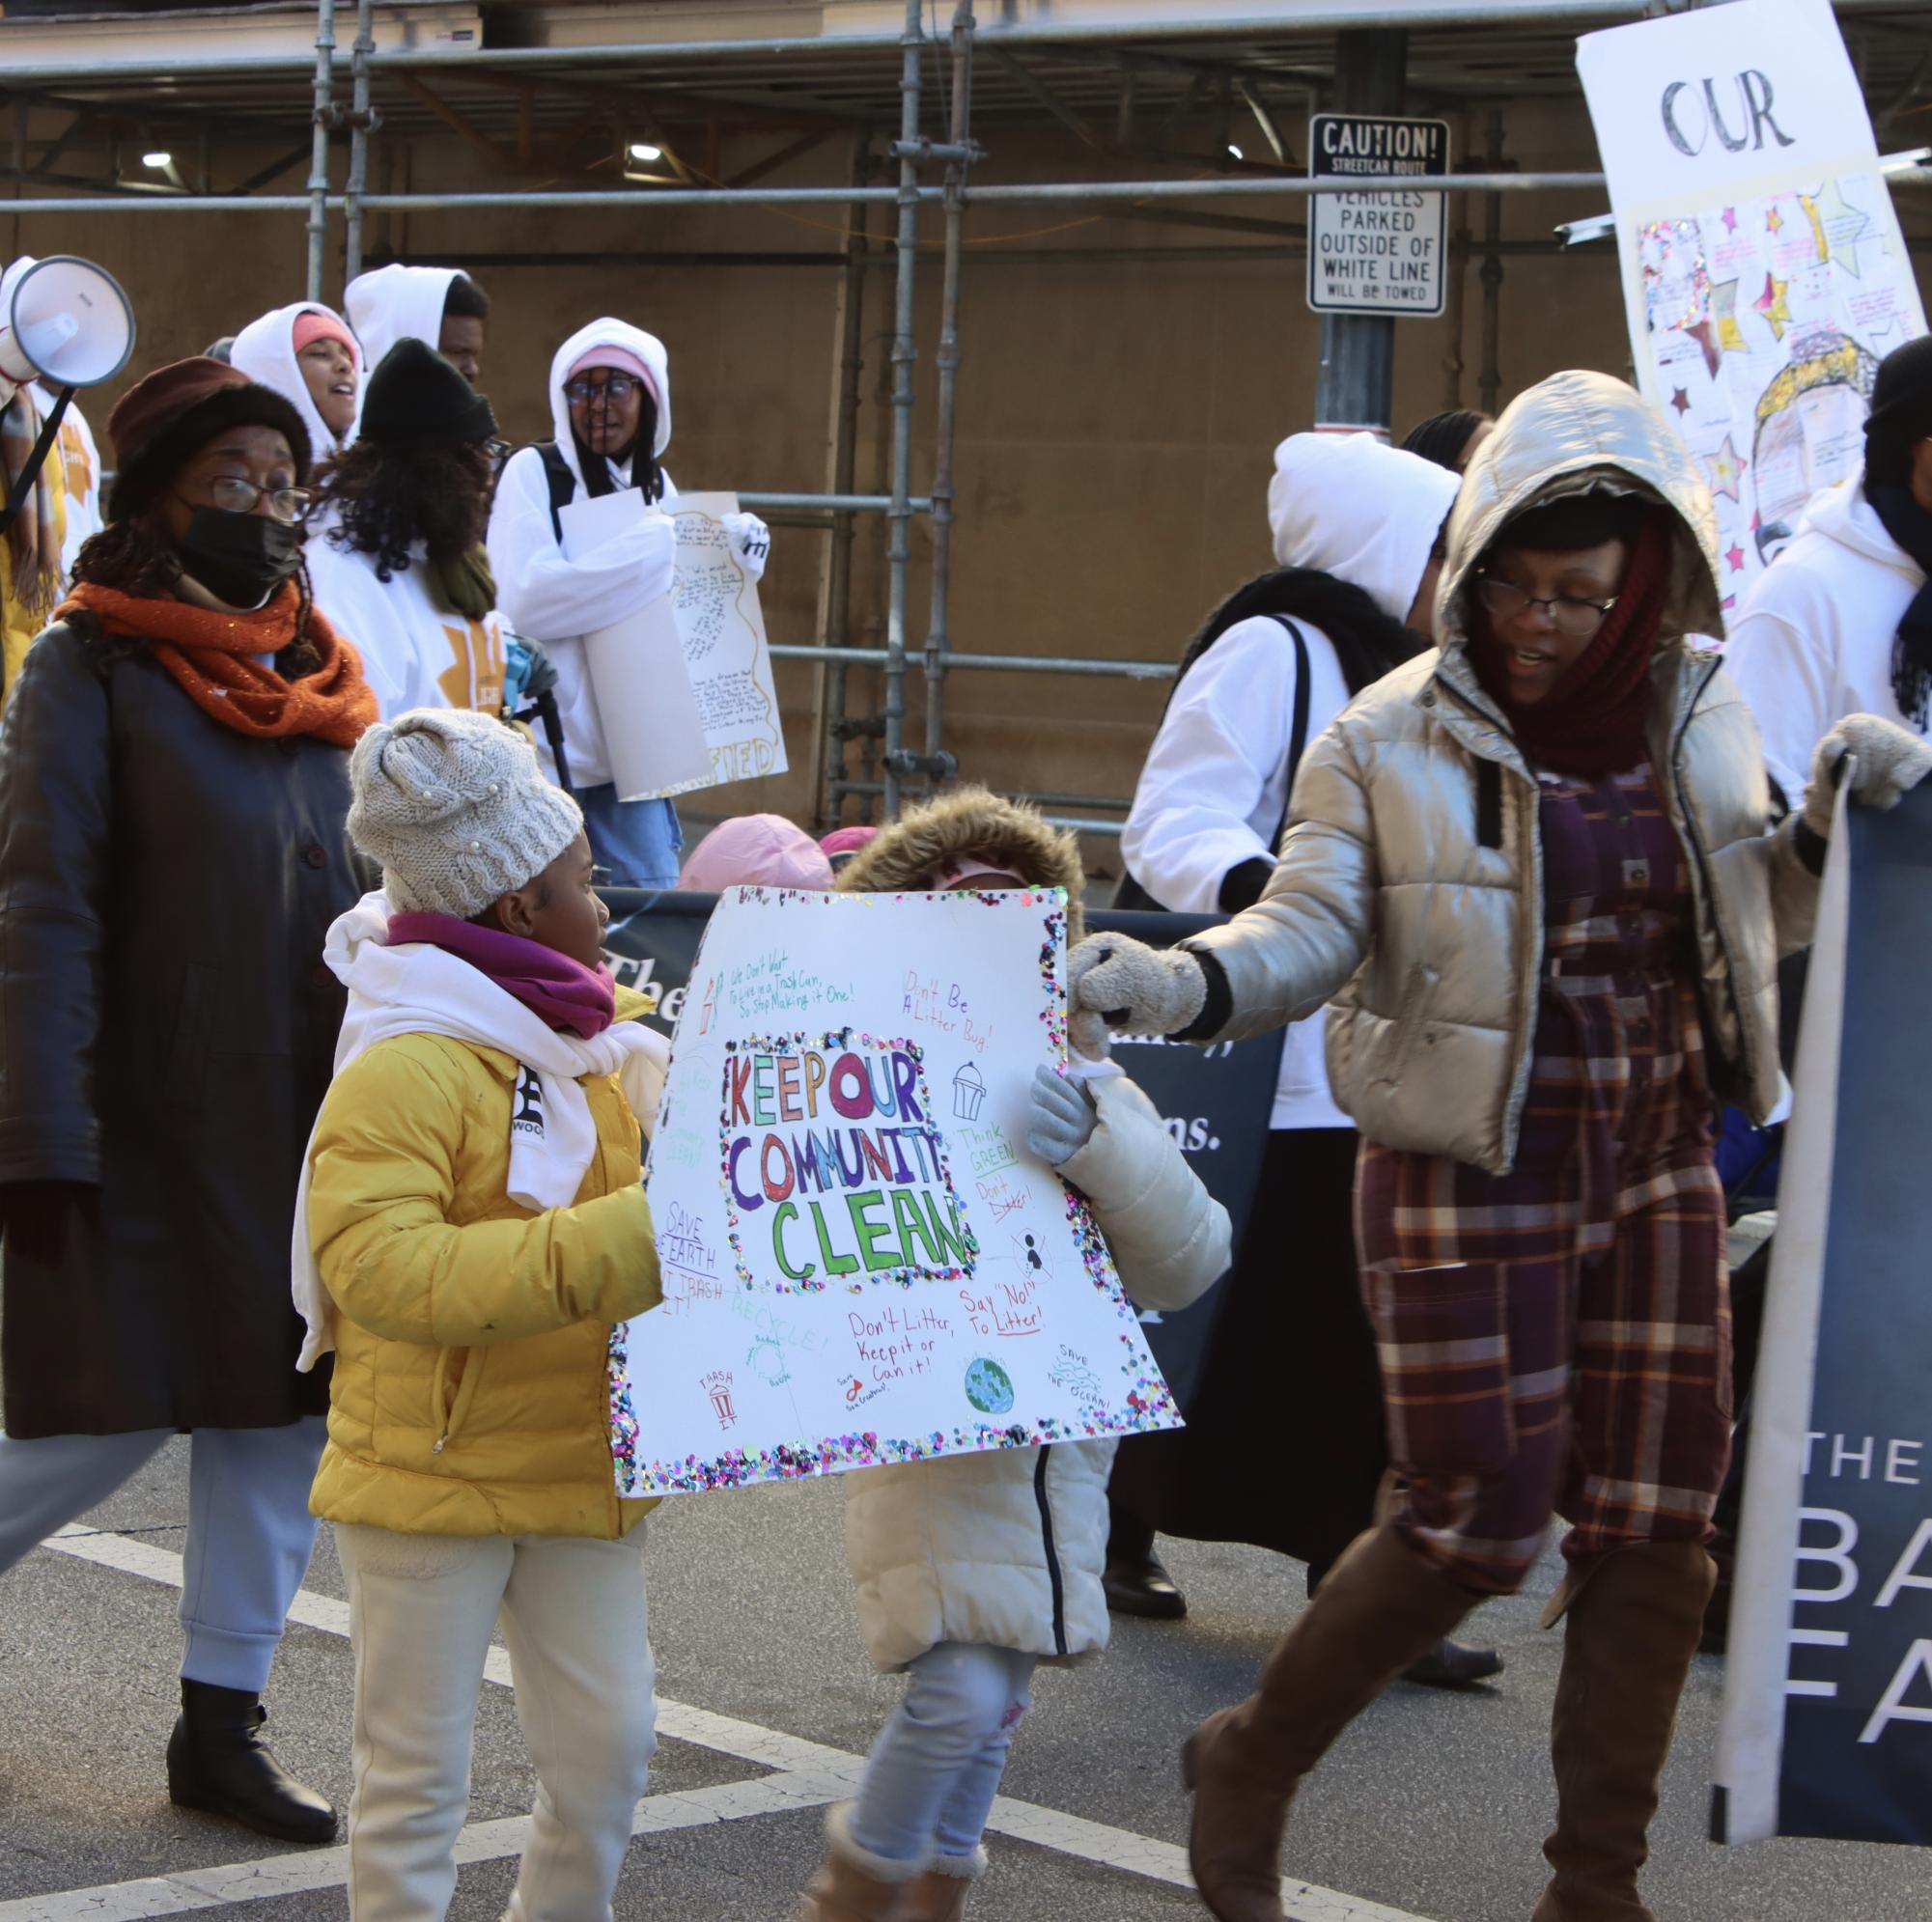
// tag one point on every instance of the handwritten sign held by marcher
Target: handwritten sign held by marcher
(862, 1261)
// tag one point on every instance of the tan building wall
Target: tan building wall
(1115, 421)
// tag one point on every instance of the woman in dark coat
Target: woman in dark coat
(174, 781)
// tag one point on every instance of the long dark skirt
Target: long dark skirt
(1284, 1445)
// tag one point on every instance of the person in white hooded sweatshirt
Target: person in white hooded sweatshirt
(1357, 529)
(441, 307)
(610, 408)
(1841, 622)
(307, 355)
(77, 459)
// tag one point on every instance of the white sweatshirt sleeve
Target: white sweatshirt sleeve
(547, 597)
(1781, 656)
(1216, 764)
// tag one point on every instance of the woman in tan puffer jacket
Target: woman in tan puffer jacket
(971, 1569)
(1536, 872)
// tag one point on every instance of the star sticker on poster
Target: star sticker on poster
(1726, 471)
(1731, 219)
(1734, 554)
(1774, 221)
(1773, 304)
(1841, 228)
(1681, 401)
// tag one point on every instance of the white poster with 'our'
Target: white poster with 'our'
(1764, 273)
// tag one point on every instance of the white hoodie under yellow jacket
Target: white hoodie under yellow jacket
(554, 600)
(1813, 640)
(264, 350)
(1215, 789)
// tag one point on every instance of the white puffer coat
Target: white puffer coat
(1006, 1548)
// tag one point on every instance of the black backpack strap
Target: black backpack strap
(563, 483)
(1298, 736)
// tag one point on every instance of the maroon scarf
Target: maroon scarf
(1593, 723)
(553, 987)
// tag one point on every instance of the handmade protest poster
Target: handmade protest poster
(683, 684)
(1827, 1726)
(862, 1261)
(1765, 275)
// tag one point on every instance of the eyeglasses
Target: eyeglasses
(616, 387)
(232, 495)
(498, 451)
(1569, 614)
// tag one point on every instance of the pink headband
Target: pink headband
(620, 360)
(312, 328)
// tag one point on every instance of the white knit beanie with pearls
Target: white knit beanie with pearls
(455, 807)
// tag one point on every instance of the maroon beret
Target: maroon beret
(168, 416)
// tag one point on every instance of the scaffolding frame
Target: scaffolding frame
(834, 512)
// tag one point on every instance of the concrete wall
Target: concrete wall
(1115, 421)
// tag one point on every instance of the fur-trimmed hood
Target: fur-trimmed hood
(902, 858)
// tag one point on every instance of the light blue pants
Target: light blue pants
(934, 1769)
(249, 1526)
(639, 842)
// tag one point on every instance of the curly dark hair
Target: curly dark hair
(136, 556)
(382, 500)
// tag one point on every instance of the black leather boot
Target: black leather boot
(218, 1761)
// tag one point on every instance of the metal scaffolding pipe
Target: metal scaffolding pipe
(362, 123)
(899, 516)
(997, 663)
(837, 503)
(946, 361)
(844, 461)
(322, 114)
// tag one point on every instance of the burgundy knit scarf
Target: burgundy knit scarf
(1593, 723)
(553, 987)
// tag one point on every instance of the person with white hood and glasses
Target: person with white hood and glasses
(307, 355)
(610, 405)
(1356, 528)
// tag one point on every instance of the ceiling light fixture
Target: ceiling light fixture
(160, 160)
(643, 150)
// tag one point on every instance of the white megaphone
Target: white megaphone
(65, 321)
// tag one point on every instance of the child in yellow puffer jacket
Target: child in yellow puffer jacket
(473, 1229)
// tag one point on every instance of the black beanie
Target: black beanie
(1901, 414)
(417, 398)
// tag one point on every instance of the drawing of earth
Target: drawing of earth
(988, 1387)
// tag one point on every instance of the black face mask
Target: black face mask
(240, 558)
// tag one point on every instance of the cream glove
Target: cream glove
(750, 542)
(1063, 1117)
(1886, 760)
(1122, 984)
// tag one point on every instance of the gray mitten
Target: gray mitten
(1134, 989)
(1886, 760)
(1063, 1117)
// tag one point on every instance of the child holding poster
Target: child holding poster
(472, 1225)
(971, 1569)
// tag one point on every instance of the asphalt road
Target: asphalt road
(1431, 1809)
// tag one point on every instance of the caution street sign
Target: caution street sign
(1377, 253)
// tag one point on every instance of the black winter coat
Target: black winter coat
(167, 1033)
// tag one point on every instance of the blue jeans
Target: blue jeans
(249, 1526)
(638, 841)
(934, 1769)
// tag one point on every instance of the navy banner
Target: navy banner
(1828, 1712)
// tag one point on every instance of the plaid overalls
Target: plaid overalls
(1559, 1337)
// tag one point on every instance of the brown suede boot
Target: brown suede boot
(853, 1884)
(941, 1892)
(1635, 1620)
(1379, 1608)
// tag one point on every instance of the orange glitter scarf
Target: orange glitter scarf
(211, 654)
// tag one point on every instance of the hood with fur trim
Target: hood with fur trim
(903, 857)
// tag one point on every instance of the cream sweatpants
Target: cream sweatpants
(421, 1610)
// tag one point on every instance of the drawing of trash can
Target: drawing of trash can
(968, 1091)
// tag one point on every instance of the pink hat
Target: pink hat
(756, 851)
(846, 840)
(620, 360)
(312, 326)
